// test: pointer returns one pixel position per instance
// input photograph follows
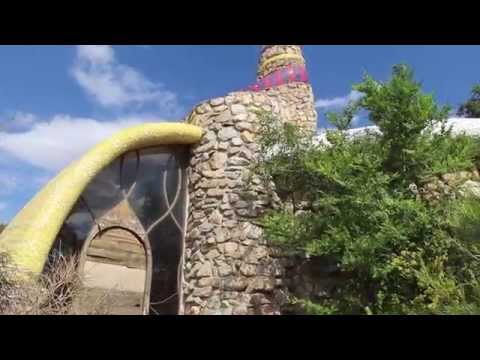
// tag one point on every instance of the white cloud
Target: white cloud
(113, 84)
(53, 144)
(99, 54)
(18, 121)
(338, 102)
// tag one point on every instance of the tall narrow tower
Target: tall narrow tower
(282, 74)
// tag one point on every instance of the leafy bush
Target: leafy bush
(353, 200)
(471, 108)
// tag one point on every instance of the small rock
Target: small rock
(248, 270)
(247, 136)
(211, 241)
(227, 133)
(240, 117)
(205, 227)
(259, 299)
(238, 161)
(244, 126)
(205, 270)
(203, 108)
(223, 146)
(261, 284)
(219, 109)
(215, 193)
(218, 160)
(221, 235)
(470, 188)
(205, 148)
(238, 109)
(213, 174)
(216, 218)
(241, 204)
(234, 284)
(224, 270)
(236, 141)
(203, 292)
(213, 254)
(230, 248)
(232, 150)
(217, 101)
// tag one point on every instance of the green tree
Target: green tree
(354, 200)
(2, 227)
(471, 108)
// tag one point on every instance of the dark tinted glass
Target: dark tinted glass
(104, 192)
(153, 181)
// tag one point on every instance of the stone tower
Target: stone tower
(276, 57)
(282, 74)
(228, 267)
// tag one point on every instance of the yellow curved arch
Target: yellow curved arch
(28, 238)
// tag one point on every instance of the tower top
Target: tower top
(275, 57)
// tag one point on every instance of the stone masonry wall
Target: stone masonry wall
(296, 104)
(229, 269)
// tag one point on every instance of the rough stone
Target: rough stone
(215, 193)
(221, 235)
(240, 117)
(259, 299)
(205, 270)
(218, 160)
(213, 174)
(470, 188)
(235, 284)
(211, 241)
(242, 126)
(206, 148)
(255, 254)
(238, 161)
(202, 291)
(230, 248)
(216, 218)
(217, 102)
(213, 254)
(232, 150)
(238, 109)
(223, 146)
(248, 270)
(261, 284)
(236, 141)
(227, 133)
(205, 227)
(225, 270)
(247, 136)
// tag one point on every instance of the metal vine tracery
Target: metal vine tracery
(153, 184)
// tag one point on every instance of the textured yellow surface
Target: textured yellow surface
(31, 234)
(280, 57)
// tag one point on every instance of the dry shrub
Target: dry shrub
(58, 291)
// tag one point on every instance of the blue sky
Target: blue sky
(57, 101)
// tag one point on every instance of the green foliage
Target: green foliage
(399, 254)
(2, 227)
(471, 108)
